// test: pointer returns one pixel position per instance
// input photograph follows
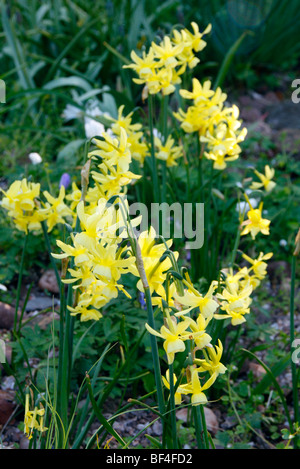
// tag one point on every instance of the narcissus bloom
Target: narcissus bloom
(135, 137)
(193, 299)
(265, 179)
(167, 151)
(33, 419)
(259, 267)
(199, 93)
(196, 389)
(160, 68)
(223, 145)
(212, 362)
(172, 333)
(255, 223)
(235, 303)
(178, 392)
(198, 328)
(155, 269)
(55, 210)
(20, 201)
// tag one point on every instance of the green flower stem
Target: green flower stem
(155, 356)
(235, 247)
(165, 101)
(19, 286)
(172, 406)
(203, 421)
(154, 348)
(61, 369)
(156, 191)
(292, 338)
(198, 426)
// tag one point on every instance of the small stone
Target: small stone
(181, 414)
(211, 420)
(157, 428)
(48, 281)
(257, 370)
(7, 316)
(7, 405)
(8, 383)
(47, 319)
(24, 443)
(40, 302)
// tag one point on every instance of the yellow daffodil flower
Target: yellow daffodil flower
(255, 223)
(235, 302)
(212, 362)
(20, 203)
(74, 197)
(199, 93)
(259, 267)
(33, 419)
(196, 389)
(198, 328)
(266, 179)
(167, 152)
(179, 390)
(193, 299)
(55, 210)
(172, 333)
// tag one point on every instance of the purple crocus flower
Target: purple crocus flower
(65, 180)
(141, 297)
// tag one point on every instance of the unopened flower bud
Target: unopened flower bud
(65, 180)
(297, 244)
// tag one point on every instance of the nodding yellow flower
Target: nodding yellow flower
(160, 68)
(199, 93)
(195, 38)
(266, 179)
(179, 390)
(74, 197)
(124, 122)
(255, 223)
(115, 151)
(55, 210)
(198, 328)
(167, 152)
(173, 336)
(212, 362)
(223, 145)
(241, 278)
(155, 269)
(143, 66)
(206, 110)
(193, 299)
(20, 202)
(235, 302)
(138, 147)
(196, 389)
(33, 419)
(166, 52)
(192, 42)
(85, 307)
(78, 252)
(259, 267)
